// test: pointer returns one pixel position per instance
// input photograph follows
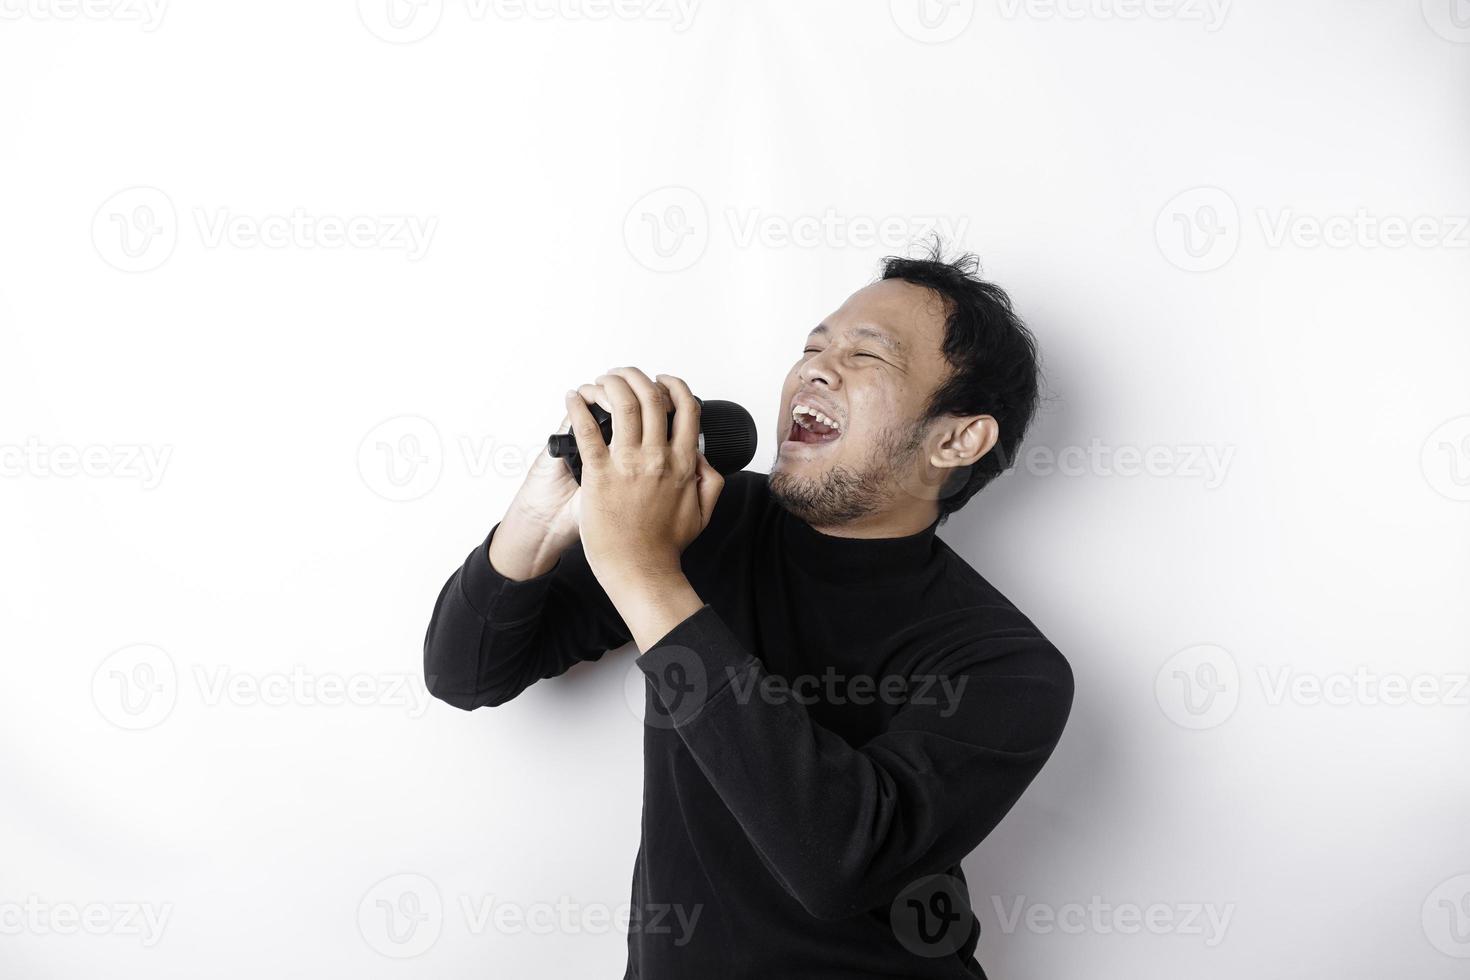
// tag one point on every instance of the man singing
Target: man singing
(839, 708)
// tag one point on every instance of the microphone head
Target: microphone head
(729, 435)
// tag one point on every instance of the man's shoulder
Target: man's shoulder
(978, 609)
(746, 482)
(744, 497)
(745, 493)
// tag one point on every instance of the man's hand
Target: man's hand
(644, 498)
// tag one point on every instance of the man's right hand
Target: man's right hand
(541, 521)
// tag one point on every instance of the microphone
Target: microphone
(726, 436)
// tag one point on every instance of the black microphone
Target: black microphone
(726, 436)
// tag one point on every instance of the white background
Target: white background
(332, 426)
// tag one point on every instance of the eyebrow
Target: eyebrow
(872, 333)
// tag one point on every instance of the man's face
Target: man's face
(870, 367)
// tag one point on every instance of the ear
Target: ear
(964, 440)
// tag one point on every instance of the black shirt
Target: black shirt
(824, 741)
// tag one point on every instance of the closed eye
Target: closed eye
(861, 353)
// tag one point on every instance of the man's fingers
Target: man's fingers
(626, 411)
(654, 399)
(686, 414)
(585, 430)
(594, 394)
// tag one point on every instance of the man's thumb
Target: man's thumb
(710, 485)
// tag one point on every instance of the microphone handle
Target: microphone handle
(563, 445)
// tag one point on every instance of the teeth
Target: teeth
(799, 410)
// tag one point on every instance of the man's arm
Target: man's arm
(847, 828)
(492, 634)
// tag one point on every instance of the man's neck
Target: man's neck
(886, 524)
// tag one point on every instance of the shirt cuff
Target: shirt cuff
(497, 598)
(694, 663)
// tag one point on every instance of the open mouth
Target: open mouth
(812, 428)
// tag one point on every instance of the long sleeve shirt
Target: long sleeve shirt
(825, 739)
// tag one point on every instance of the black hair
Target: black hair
(995, 362)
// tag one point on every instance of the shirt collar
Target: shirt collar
(856, 560)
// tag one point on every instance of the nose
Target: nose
(817, 368)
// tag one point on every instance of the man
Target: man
(839, 707)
